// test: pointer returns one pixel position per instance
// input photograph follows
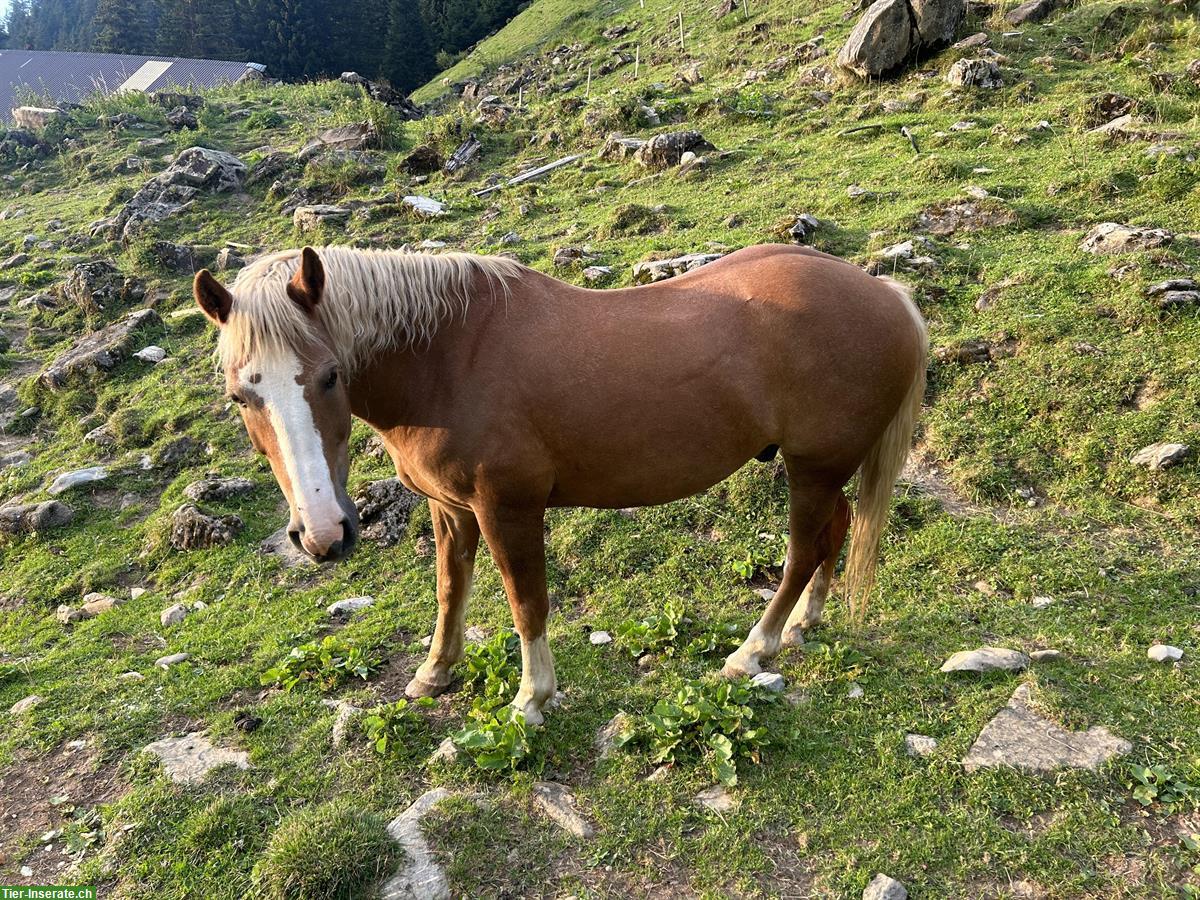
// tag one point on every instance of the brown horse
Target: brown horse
(499, 392)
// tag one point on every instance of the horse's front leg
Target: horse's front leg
(456, 534)
(518, 547)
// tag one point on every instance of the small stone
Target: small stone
(425, 207)
(344, 717)
(420, 875)
(986, 659)
(980, 73)
(188, 759)
(1164, 653)
(130, 677)
(557, 802)
(165, 662)
(136, 592)
(883, 887)
(606, 737)
(476, 635)
(1042, 602)
(767, 594)
(26, 872)
(769, 681)
(24, 705)
(349, 605)
(68, 480)
(599, 638)
(1160, 456)
(173, 615)
(716, 798)
(1045, 655)
(447, 752)
(593, 274)
(151, 354)
(855, 692)
(919, 745)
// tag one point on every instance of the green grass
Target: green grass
(834, 798)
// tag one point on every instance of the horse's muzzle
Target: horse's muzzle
(334, 552)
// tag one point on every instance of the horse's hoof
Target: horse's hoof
(533, 715)
(794, 637)
(418, 688)
(740, 668)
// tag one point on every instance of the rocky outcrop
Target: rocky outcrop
(99, 351)
(1030, 12)
(35, 118)
(356, 136)
(211, 489)
(662, 269)
(386, 94)
(96, 285)
(892, 33)
(1112, 237)
(383, 510)
(666, 150)
(195, 170)
(194, 529)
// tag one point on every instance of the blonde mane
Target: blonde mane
(374, 300)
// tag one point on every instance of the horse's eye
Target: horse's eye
(331, 380)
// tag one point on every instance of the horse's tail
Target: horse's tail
(877, 475)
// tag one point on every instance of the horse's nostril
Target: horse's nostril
(294, 537)
(334, 551)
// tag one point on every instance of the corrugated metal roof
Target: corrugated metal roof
(70, 77)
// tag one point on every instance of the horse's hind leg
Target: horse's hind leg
(456, 534)
(808, 612)
(810, 508)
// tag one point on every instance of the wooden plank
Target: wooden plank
(532, 174)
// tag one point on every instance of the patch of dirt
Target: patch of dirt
(138, 643)
(1038, 824)
(792, 873)
(986, 889)
(944, 219)
(922, 472)
(37, 795)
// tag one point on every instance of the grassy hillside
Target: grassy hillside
(1051, 369)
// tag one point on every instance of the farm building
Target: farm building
(39, 76)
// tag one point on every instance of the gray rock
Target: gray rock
(194, 170)
(345, 715)
(617, 147)
(1042, 602)
(14, 459)
(882, 887)
(1030, 12)
(1112, 237)
(308, 218)
(717, 798)
(599, 638)
(1020, 738)
(189, 759)
(770, 681)
(229, 258)
(1160, 456)
(892, 33)
(94, 604)
(173, 615)
(32, 518)
(804, 228)
(917, 745)
(383, 510)
(980, 73)
(606, 737)
(421, 877)
(35, 118)
(594, 274)
(447, 752)
(172, 659)
(99, 351)
(424, 207)
(174, 257)
(1045, 655)
(557, 802)
(25, 704)
(986, 659)
(181, 117)
(95, 285)
(356, 136)
(664, 151)
(211, 489)
(1164, 653)
(152, 354)
(194, 529)
(68, 480)
(1172, 299)
(349, 605)
(662, 269)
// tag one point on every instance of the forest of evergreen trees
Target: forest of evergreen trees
(402, 41)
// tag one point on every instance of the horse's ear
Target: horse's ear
(308, 284)
(212, 296)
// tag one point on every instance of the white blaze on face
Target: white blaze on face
(301, 449)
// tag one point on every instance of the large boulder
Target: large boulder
(34, 517)
(893, 32)
(383, 510)
(101, 350)
(35, 118)
(1030, 12)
